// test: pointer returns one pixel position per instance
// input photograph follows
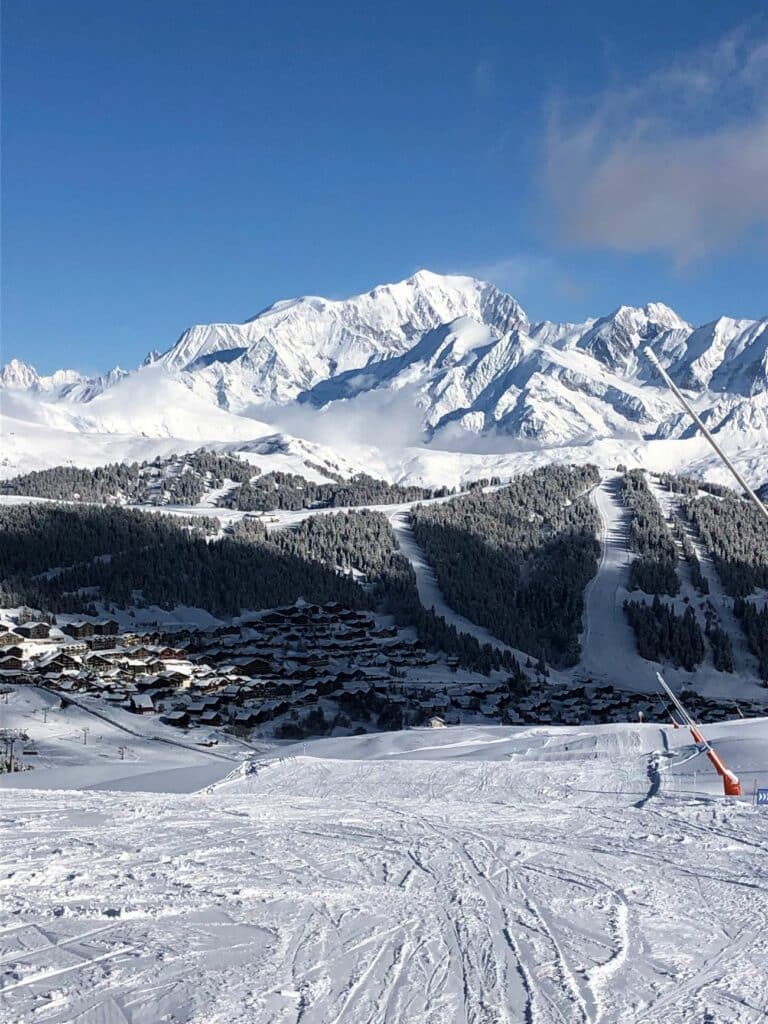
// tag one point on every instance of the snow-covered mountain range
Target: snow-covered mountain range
(455, 357)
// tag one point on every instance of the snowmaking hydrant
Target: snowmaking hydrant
(731, 784)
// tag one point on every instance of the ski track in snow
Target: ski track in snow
(430, 594)
(608, 644)
(415, 885)
(609, 650)
(744, 662)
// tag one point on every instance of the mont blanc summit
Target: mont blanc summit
(458, 350)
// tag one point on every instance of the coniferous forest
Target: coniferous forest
(517, 560)
(289, 491)
(736, 537)
(176, 480)
(655, 570)
(662, 634)
(185, 479)
(513, 558)
(62, 558)
(65, 558)
(754, 622)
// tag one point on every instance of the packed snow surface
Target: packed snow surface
(584, 874)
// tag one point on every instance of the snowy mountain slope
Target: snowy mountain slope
(445, 361)
(467, 377)
(614, 340)
(312, 336)
(726, 356)
(293, 344)
(419, 877)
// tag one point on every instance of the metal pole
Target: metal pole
(686, 405)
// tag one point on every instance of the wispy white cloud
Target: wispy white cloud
(383, 418)
(514, 274)
(529, 277)
(676, 163)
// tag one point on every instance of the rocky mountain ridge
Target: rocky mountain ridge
(459, 351)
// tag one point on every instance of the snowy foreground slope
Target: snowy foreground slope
(469, 874)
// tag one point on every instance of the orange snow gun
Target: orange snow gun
(731, 784)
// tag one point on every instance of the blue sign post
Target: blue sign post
(761, 798)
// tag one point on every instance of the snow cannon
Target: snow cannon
(731, 784)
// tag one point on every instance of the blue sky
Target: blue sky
(179, 162)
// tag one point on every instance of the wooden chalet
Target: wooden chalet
(254, 666)
(34, 630)
(78, 630)
(106, 627)
(57, 661)
(142, 704)
(178, 718)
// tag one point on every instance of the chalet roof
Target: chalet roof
(175, 716)
(52, 657)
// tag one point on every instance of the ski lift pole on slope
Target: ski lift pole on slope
(731, 784)
(653, 359)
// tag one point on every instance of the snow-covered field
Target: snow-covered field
(430, 876)
(92, 745)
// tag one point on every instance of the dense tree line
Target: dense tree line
(736, 536)
(754, 622)
(662, 634)
(655, 570)
(690, 486)
(290, 491)
(39, 538)
(517, 560)
(722, 648)
(61, 558)
(125, 557)
(689, 553)
(184, 480)
(176, 480)
(401, 599)
(364, 541)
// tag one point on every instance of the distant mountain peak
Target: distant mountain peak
(660, 313)
(19, 375)
(295, 344)
(449, 354)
